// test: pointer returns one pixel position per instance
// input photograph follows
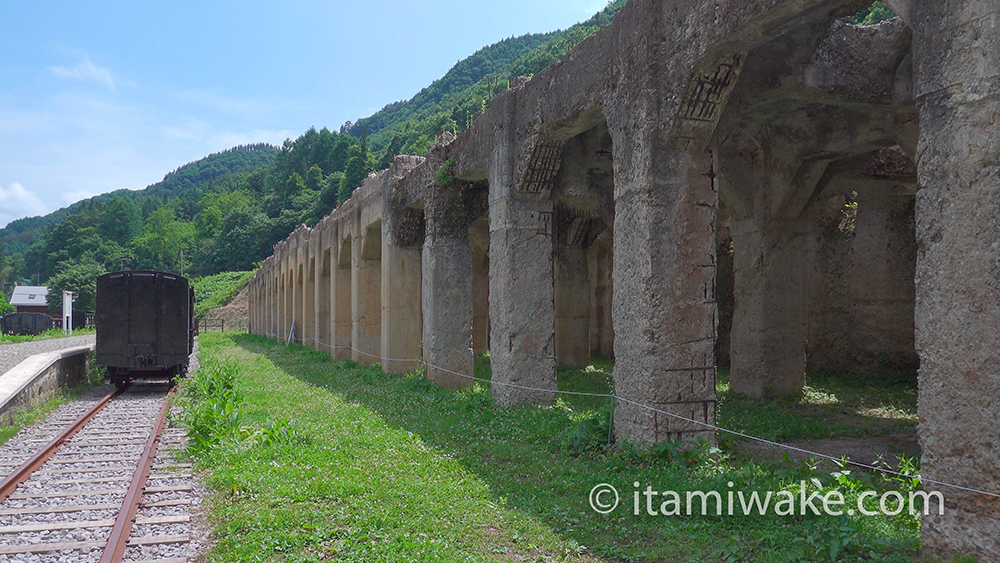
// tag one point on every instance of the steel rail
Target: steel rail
(21, 474)
(114, 551)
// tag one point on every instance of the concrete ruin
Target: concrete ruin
(582, 215)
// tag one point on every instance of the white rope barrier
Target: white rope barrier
(613, 397)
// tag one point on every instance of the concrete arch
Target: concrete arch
(340, 297)
(366, 294)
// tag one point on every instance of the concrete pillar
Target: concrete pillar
(298, 294)
(287, 305)
(480, 301)
(366, 295)
(572, 299)
(309, 304)
(447, 293)
(279, 324)
(287, 290)
(771, 273)
(254, 327)
(862, 294)
(600, 263)
(323, 293)
(400, 323)
(275, 305)
(664, 294)
(522, 304)
(957, 318)
(276, 298)
(340, 298)
(250, 308)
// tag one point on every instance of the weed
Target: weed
(446, 174)
(591, 433)
(212, 414)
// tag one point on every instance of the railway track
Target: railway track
(94, 483)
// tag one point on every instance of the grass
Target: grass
(831, 405)
(27, 417)
(48, 334)
(389, 468)
(217, 290)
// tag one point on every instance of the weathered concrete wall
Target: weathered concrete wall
(36, 379)
(862, 291)
(636, 136)
(600, 264)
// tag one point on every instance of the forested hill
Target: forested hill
(18, 235)
(200, 172)
(489, 60)
(451, 102)
(221, 213)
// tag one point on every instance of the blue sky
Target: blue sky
(97, 96)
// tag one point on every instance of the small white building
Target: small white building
(30, 299)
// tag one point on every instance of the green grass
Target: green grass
(393, 469)
(831, 404)
(48, 334)
(27, 417)
(217, 290)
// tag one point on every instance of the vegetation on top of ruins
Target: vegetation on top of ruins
(873, 14)
(446, 174)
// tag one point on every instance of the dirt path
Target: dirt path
(233, 315)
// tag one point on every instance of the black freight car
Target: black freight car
(145, 324)
(27, 323)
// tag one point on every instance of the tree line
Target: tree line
(221, 213)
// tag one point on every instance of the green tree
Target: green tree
(5, 306)
(355, 171)
(393, 148)
(81, 279)
(162, 240)
(121, 220)
(327, 199)
(243, 240)
(314, 178)
(3, 261)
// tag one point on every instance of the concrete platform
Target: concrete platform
(38, 377)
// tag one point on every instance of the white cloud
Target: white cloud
(75, 196)
(16, 202)
(86, 71)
